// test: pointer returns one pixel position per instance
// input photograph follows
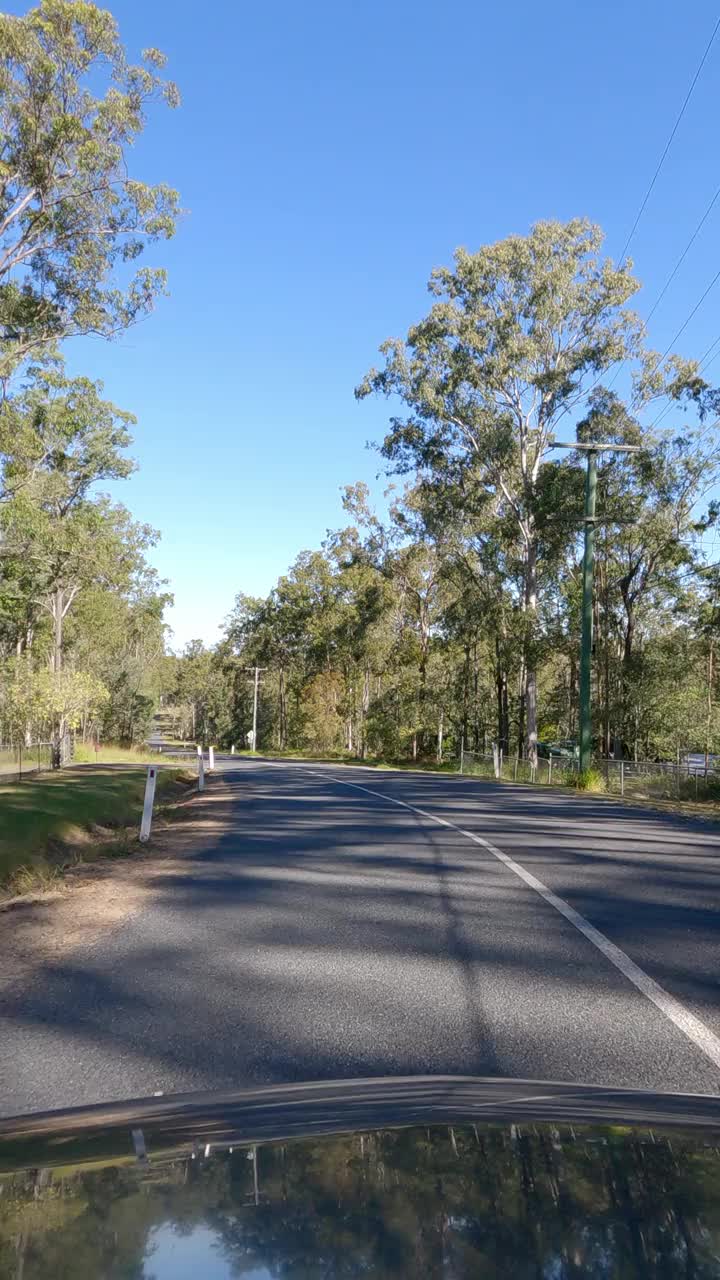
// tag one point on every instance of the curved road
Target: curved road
(334, 930)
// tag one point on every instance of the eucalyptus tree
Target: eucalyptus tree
(73, 218)
(503, 359)
(58, 439)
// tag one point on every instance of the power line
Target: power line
(670, 279)
(704, 357)
(668, 144)
(686, 322)
(637, 400)
(640, 211)
(682, 257)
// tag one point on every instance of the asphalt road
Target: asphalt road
(333, 932)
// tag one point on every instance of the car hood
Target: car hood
(388, 1178)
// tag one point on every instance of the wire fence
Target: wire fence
(686, 779)
(18, 762)
(693, 777)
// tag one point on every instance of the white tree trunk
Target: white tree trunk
(531, 626)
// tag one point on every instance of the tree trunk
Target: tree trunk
(627, 658)
(629, 639)
(422, 701)
(466, 689)
(503, 716)
(365, 706)
(530, 657)
(521, 707)
(476, 700)
(572, 696)
(57, 613)
(283, 711)
(708, 723)
(609, 744)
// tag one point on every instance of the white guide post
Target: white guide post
(148, 804)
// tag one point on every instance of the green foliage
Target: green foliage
(44, 704)
(73, 219)
(590, 780)
(520, 337)
(76, 593)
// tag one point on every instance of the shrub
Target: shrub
(590, 780)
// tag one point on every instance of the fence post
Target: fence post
(462, 751)
(622, 777)
(148, 803)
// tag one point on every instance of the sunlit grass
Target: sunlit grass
(45, 820)
(106, 753)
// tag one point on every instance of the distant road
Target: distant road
(332, 930)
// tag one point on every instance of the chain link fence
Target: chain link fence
(19, 761)
(477, 764)
(690, 778)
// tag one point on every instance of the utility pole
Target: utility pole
(586, 645)
(257, 671)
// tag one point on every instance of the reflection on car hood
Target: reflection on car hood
(387, 1178)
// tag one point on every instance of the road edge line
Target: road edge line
(693, 1028)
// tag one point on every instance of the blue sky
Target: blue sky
(329, 155)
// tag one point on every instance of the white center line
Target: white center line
(683, 1019)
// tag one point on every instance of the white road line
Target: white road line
(692, 1027)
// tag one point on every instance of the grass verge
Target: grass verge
(53, 820)
(106, 753)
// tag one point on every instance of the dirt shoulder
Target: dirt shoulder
(95, 898)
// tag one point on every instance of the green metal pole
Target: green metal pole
(587, 615)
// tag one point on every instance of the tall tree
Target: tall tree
(502, 358)
(72, 217)
(58, 439)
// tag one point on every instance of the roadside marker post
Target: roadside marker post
(148, 803)
(211, 759)
(201, 770)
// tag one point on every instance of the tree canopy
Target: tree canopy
(73, 220)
